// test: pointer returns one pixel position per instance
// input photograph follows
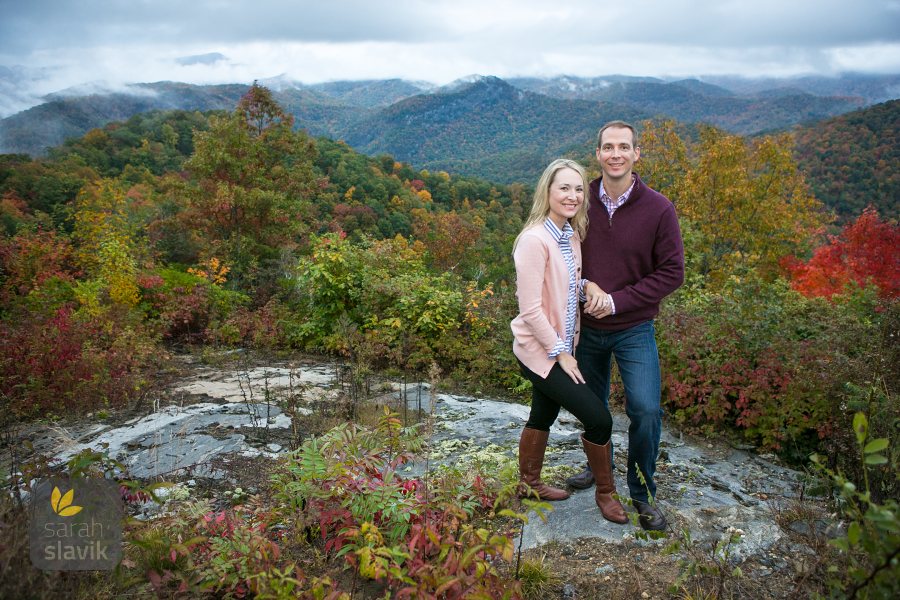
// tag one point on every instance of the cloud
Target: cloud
(17, 89)
(760, 23)
(37, 24)
(51, 44)
(42, 24)
(210, 58)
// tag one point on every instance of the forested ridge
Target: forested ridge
(236, 229)
(851, 161)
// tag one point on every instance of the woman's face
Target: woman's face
(566, 196)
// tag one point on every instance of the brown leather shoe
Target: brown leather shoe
(583, 480)
(651, 518)
(600, 459)
(532, 445)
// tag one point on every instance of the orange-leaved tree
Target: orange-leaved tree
(449, 238)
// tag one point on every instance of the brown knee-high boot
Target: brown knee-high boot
(532, 445)
(600, 459)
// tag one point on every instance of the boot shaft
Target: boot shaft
(600, 459)
(532, 446)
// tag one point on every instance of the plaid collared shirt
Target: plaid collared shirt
(613, 205)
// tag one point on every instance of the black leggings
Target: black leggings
(558, 389)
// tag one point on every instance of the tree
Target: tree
(448, 237)
(254, 182)
(664, 158)
(106, 242)
(747, 202)
(866, 252)
(46, 186)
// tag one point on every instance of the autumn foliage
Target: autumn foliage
(241, 230)
(851, 160)
(448, 237)
(867, 252)
(746, 201)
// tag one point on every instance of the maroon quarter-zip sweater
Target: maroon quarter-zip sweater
(637, 256)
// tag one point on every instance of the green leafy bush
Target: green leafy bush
(764, 359)
(381, 294)
(870, 549)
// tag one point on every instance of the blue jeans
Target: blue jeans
(638, 360)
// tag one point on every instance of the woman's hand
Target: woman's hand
(598, 303)
(568, 364)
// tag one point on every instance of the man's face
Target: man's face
(617, 153)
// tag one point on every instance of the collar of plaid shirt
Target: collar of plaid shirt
(612, 205)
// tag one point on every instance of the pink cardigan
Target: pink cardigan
(542, 287)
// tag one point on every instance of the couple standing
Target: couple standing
(633, 257)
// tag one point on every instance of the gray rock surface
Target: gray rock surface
(703, 488)
(175, 439)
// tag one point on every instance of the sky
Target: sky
(51, 45)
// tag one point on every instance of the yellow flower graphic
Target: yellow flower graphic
(61, 503)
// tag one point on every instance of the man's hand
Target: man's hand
(568, 364)
(599, 303)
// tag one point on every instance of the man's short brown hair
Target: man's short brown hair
(620, 124)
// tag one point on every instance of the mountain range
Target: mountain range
(502, 130)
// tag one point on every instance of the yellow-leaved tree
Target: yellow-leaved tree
(743, 202)
(106, 249)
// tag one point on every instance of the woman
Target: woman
(547, 254)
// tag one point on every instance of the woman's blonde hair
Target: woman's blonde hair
(540, 206)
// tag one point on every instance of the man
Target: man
(633, 251)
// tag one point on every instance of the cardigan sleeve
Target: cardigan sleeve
(531, 257)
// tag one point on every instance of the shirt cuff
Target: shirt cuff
(612, 303)
(581, 295)
(558, 349)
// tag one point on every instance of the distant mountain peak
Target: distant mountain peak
(486, 90)
(423, 85)
(468, 81)
(471, 78)
(371, 93)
